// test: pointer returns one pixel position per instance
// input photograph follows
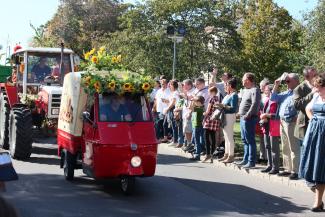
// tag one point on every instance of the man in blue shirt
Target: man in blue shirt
(288, 116)
(41, 70)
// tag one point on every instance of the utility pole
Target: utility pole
(177, 38)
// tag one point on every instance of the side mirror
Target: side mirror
(86, 116)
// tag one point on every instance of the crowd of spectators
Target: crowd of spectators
(199, 116)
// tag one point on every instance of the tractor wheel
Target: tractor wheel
(4, 121)
(127, 184)
(69, 162)
(20, 133)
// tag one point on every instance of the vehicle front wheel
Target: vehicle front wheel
(69, 161)
(127, 184)
(4, 121)
(20, 133)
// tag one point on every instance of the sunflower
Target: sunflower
(145, 86)
(94, 59)
(127, 87)
(111, 85)
(114, 59)
(86, 56)
(97, 86)
(118, 59)
(87, 80)
(92, 51)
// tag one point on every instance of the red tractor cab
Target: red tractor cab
(31, 96)
(106, 135)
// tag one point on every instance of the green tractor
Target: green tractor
(5, 72)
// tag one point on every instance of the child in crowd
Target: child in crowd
(197, 109)
(210, 126)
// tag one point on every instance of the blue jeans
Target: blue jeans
(173, 126)
(180, 132)
(247, 129)
(198, 139)
(162, 126)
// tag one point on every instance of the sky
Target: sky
(16, 16)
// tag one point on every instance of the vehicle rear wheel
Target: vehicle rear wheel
(4, 121)
(69, 161)
(128, 184)
(20, 133)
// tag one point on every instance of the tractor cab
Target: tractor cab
(36, 67)
(31, 97)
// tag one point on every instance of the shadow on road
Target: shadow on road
(248, 200)
(44, 160)
(50, 195)
(44, 154)
(45, 150)
(172, 159)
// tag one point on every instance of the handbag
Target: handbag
(217, 114)
(7, 171)
(177, 115)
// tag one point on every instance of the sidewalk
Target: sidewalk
(256, 172)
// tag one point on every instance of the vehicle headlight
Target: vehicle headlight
(136, 161)
(55, 111)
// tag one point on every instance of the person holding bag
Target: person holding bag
(230, 105)
(169, 110)
(210, 126)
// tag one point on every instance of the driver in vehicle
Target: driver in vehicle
(41, 70)
(113, 110)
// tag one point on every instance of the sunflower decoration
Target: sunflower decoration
(104, 73)
(145, 87)
(87, 80)
(101, 59)
(111, 85)
(94, 59)
(98, 86)
(127, 87)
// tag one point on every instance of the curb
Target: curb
(297, 184)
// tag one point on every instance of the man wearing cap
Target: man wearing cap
(302, 95)
(288, 116)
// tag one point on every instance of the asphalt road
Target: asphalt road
(179, 188)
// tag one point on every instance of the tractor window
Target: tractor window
(42, 65)
(114, 108)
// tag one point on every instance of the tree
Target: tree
(314, 40)
(80, 24)
(270, 39)
(144, 41)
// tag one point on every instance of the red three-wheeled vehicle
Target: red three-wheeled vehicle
(105, 134)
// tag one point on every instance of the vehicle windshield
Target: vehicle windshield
(125, 108)
(42, 65)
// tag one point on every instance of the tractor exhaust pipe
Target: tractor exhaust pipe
(61, 64)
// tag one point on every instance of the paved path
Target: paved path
(180, 188)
